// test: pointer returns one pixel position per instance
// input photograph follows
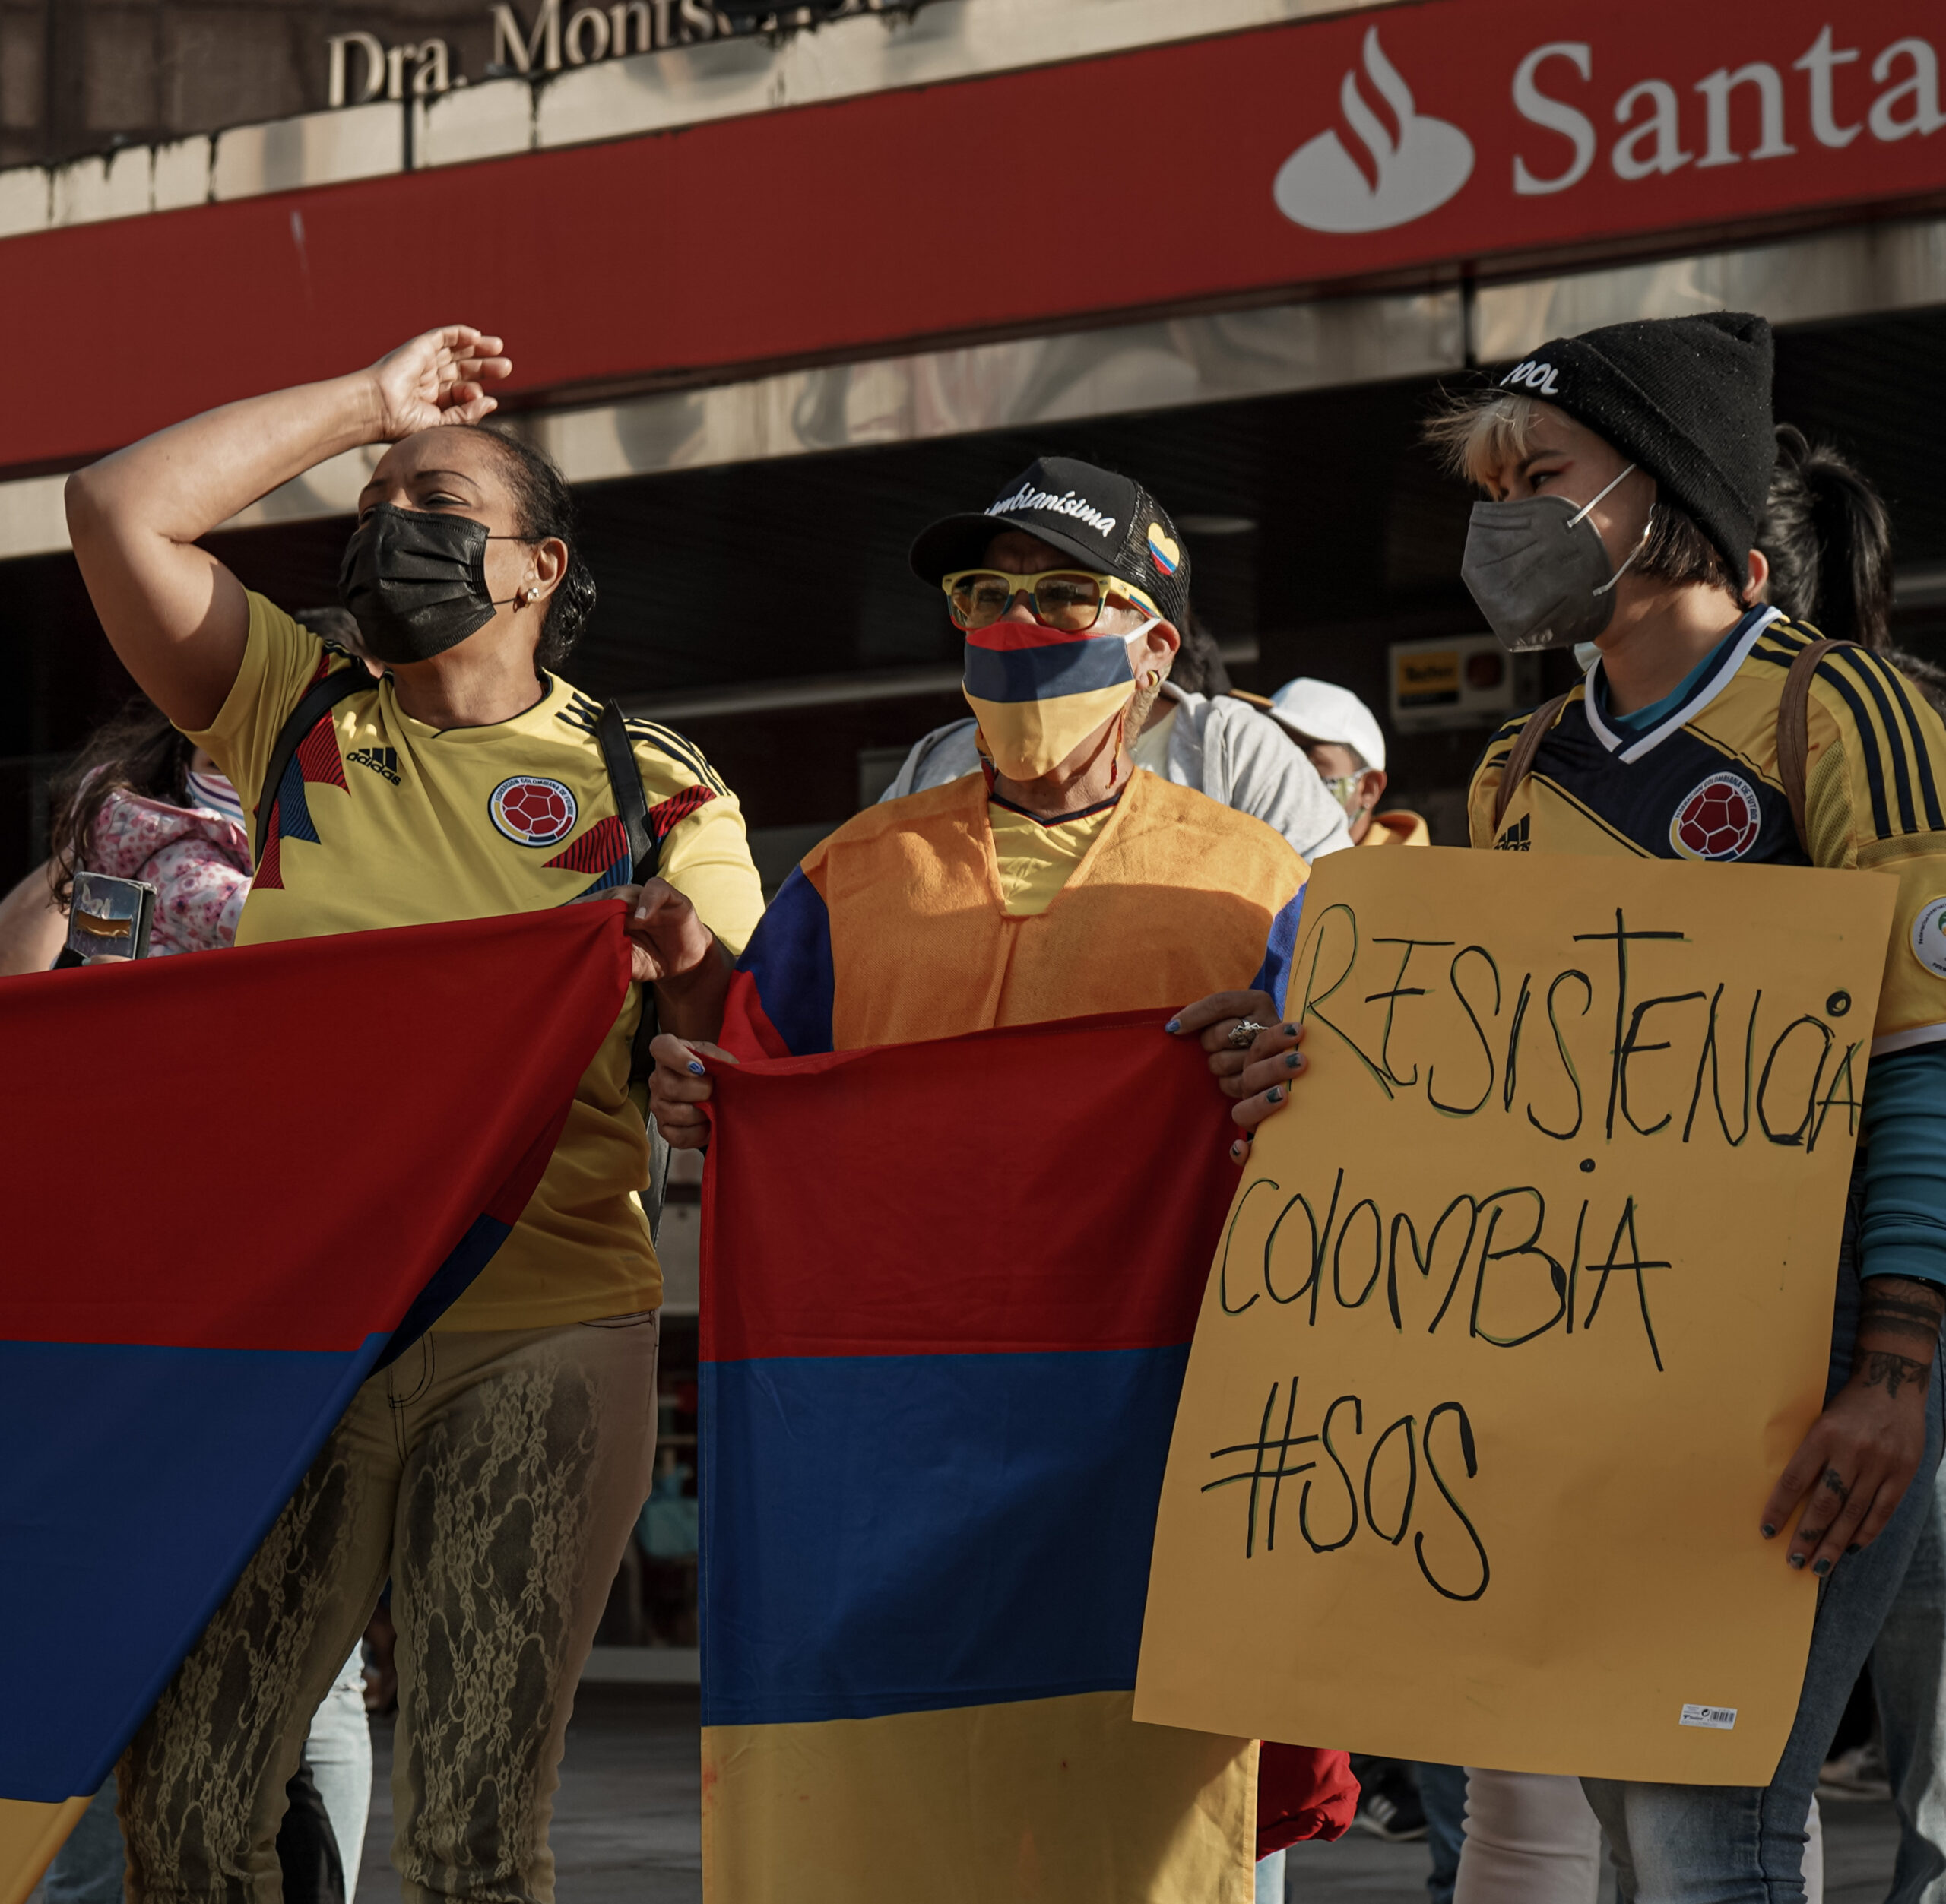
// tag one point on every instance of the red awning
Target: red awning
(1350, 149)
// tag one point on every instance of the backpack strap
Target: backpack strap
(618, 756)
(1794, 731)
(1527, 745)
(319, 699)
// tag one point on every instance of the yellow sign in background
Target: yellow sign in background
(1522, 1303)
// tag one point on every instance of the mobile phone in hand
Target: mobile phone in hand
(109, 918)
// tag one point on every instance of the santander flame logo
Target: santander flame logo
(1322, 186)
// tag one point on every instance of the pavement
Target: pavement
(627, 1829)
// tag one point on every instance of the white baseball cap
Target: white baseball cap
(1321, 710)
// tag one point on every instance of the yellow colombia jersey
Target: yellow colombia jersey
(1702, 784)
(388, 821)
(1035, 856)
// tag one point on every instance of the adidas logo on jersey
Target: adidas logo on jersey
(1515, 839)
(382, 760)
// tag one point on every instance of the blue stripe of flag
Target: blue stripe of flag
(135, 1483)
(904, 1533)
(1038, 673)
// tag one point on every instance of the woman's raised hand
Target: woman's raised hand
(439, 377)
(180, 620)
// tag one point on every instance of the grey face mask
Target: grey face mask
(1538, 572)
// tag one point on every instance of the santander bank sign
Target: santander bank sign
(1409, 168)
(1470, 126)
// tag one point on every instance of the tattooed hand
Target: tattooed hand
(1855, 1465)
(1893, 1373)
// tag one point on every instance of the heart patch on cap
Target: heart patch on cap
(1166, 555)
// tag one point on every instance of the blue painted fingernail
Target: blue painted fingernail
(1769, 1532)
(1275, 1094)
(1797, 1561)
(1290, 1031)
(1820, 1568)
(1174, 1024)
(1292, 1060)
(695, 1069)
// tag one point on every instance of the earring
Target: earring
(1153, 678)
(533, 596)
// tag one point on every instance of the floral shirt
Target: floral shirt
(197, 859)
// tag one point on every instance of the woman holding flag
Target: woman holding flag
(493, 1471)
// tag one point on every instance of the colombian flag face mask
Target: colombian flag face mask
(1037, 691)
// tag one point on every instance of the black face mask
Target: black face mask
(416, 582)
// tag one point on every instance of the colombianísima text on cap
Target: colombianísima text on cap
(1028, 498)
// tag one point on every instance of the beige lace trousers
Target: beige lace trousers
(493, 1477)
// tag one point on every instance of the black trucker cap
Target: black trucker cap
(1109, 523)
(1686, 398)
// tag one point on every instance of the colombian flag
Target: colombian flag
(236, 1179)
(949, 1290)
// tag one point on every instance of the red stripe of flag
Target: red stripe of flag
(365, 1166)
(998, 638)
(933, 1260)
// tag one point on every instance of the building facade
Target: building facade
(81, 76)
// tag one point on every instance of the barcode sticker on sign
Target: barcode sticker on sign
(1719, 1718)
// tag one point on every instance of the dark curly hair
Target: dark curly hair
(137, 752)
(546, 507)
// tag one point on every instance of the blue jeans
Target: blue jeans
(1908, 1667)
(89, 1867)
(1443, 1792)
(1270, 1879)
(1696, 1844)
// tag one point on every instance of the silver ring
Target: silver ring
(1243, 1034)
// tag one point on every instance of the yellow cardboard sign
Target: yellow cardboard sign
(1522, 1305)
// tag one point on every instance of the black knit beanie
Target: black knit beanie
(1686, 398)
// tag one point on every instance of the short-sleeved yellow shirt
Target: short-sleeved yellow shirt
(1702, 784)
(384, 821)
(1035, 856)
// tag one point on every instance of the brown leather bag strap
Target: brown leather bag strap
(1794, 731)
(1540, 723)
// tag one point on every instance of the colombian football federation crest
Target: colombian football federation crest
(1718, 820)
(532, 811)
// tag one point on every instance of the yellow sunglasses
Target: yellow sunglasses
(1070, 599)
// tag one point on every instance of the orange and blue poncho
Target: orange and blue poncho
(894, 929)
